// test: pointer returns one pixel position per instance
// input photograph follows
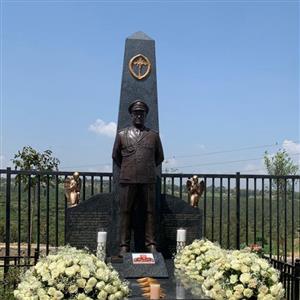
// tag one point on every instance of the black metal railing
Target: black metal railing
(237, 210)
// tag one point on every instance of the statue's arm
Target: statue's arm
(159, 153)
(116, 155)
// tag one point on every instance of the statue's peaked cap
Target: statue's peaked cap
(138, 105)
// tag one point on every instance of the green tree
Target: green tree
(30, 159)
(281, 164)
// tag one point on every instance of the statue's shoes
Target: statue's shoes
(123, 251)
(152, 248)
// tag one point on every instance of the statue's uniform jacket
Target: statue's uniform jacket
(137, 155)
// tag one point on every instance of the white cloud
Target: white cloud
(291, 147)
(102, 128)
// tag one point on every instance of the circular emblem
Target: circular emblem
(139, 66)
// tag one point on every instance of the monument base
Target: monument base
(128, 269)
(98, 214)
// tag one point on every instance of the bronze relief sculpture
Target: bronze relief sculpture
(195, 190)
(137, 152)
(72, 185)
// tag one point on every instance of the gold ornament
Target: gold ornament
(139, 66)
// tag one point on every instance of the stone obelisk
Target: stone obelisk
(138, 82)
(134, 88)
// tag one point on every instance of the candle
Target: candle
(180, 291)
(154, 291)
(102, 237)
(181, 235)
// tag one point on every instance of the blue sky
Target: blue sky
(228, 77)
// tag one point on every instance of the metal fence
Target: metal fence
(238, 210)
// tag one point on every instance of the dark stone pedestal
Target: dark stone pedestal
(129, 270)
(98, 213)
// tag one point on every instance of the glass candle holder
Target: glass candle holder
(101, 245)
(181, 239)
(101, 251)
(180, 246)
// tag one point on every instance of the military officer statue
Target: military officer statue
(137, 152)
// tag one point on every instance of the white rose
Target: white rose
(73, 289)
(51, 291)
(274, 278)
(41, 292)
(218, 275)
(70, 271)
(229, 293)
(263, 273)
(245, 269)
(248, 293)
(76, 268)
(263, 290)
(255, 268)
(263, 264)
(91, 282)
(119, 295)
(239, 288)
(60, 286)
(58, 295)
(100, 285)
(51, 281)
(81, 282)
(276, 289)
(102, 295)
(112, 297)
(125, 289)
(85, 273)
(252, 283)
(53, 266)
(245, 278)
(236, 266)
(238, 295)
(54, 274)
(233, 279)
(81, 297)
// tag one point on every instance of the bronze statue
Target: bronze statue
(72, 185)
(137, 152)
(195, 189)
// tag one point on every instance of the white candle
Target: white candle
(102, 235)
(154, 291)
(181, 235)
(180, 291)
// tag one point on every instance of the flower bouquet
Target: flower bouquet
(229, 274)
(197, 257)
(242, 275)
(71, 274)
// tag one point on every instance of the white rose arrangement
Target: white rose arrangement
(197, 258)
(71, 274)
(229, 274)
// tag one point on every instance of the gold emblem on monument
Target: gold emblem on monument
(139, 66)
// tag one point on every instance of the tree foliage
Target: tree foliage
(280, 164)
(30, 159)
